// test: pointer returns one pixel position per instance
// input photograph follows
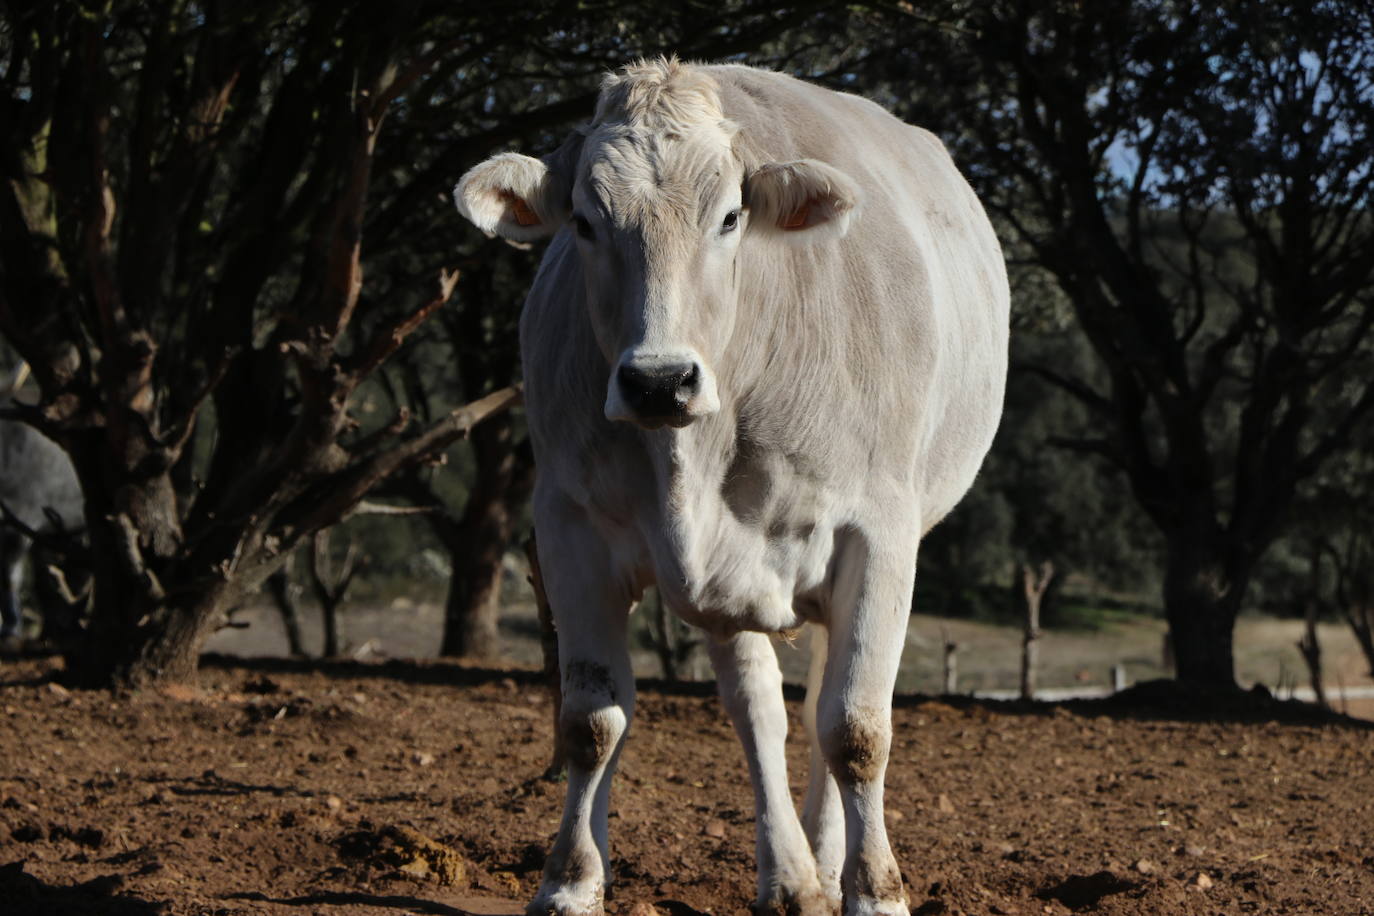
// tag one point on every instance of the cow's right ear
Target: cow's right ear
(516, 197)
(802, 201)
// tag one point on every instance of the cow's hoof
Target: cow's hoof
(811, 902)
(566, 901)
(870, 906)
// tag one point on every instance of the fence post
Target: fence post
(1118, 677)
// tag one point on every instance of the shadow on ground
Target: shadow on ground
(25, 895)
(1170, 701)
(392, 901)
(1161, 700)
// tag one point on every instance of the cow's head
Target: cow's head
(659, 192)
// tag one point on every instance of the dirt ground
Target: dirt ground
(415, 787)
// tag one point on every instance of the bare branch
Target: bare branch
(1081, 390)
(130, 556)
(370, 508)
(180, 434)
(1103, 448)
(394, 83)
(345, 488)
(386, 342)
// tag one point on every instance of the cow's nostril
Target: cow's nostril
(691, 378)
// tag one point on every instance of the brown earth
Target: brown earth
(402, 788)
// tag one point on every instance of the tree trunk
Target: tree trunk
(331, 585)
(284, 596)
(1311, 649)
(666, 641)
(1201, 600)
(951, 666)
(329, 617)
(472, 609)
(478, 543)
(1361, 620)
(141, 634)
(670, 638)
(1034, 584)
(145, 655)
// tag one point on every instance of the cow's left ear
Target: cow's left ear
(805, 200)
(516, 197)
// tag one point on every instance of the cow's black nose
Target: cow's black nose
(659, 392)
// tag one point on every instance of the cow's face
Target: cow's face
(658, 217)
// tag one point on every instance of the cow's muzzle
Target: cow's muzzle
(655, 391)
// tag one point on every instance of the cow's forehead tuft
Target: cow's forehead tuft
(662, 93)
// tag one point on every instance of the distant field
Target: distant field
(988, 657)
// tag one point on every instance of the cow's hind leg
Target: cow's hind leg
(822, 813)
(751, 689)
(590, 607)
(870, 606)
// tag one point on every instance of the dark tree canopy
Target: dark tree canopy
(218, 223)
(1196, 180)
(223, 226)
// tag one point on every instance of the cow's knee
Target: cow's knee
(855, 743)
(591, 721)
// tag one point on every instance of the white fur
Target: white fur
(776, 190)
(484, 195)
(857, 381)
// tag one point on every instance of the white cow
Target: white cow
(764, 354)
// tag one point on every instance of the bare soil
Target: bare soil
(416, 787)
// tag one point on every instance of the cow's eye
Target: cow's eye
(584, 228)
(731, 221)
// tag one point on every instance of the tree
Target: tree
(1036, 501)
(181, 221)
(477, 526)
(1335, 525)
(193, 193)
(1196, 180)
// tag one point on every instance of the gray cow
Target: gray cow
(764, 354)
(37, 485)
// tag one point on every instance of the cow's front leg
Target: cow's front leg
(870, 606)
(590, 608)
(751, 689)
